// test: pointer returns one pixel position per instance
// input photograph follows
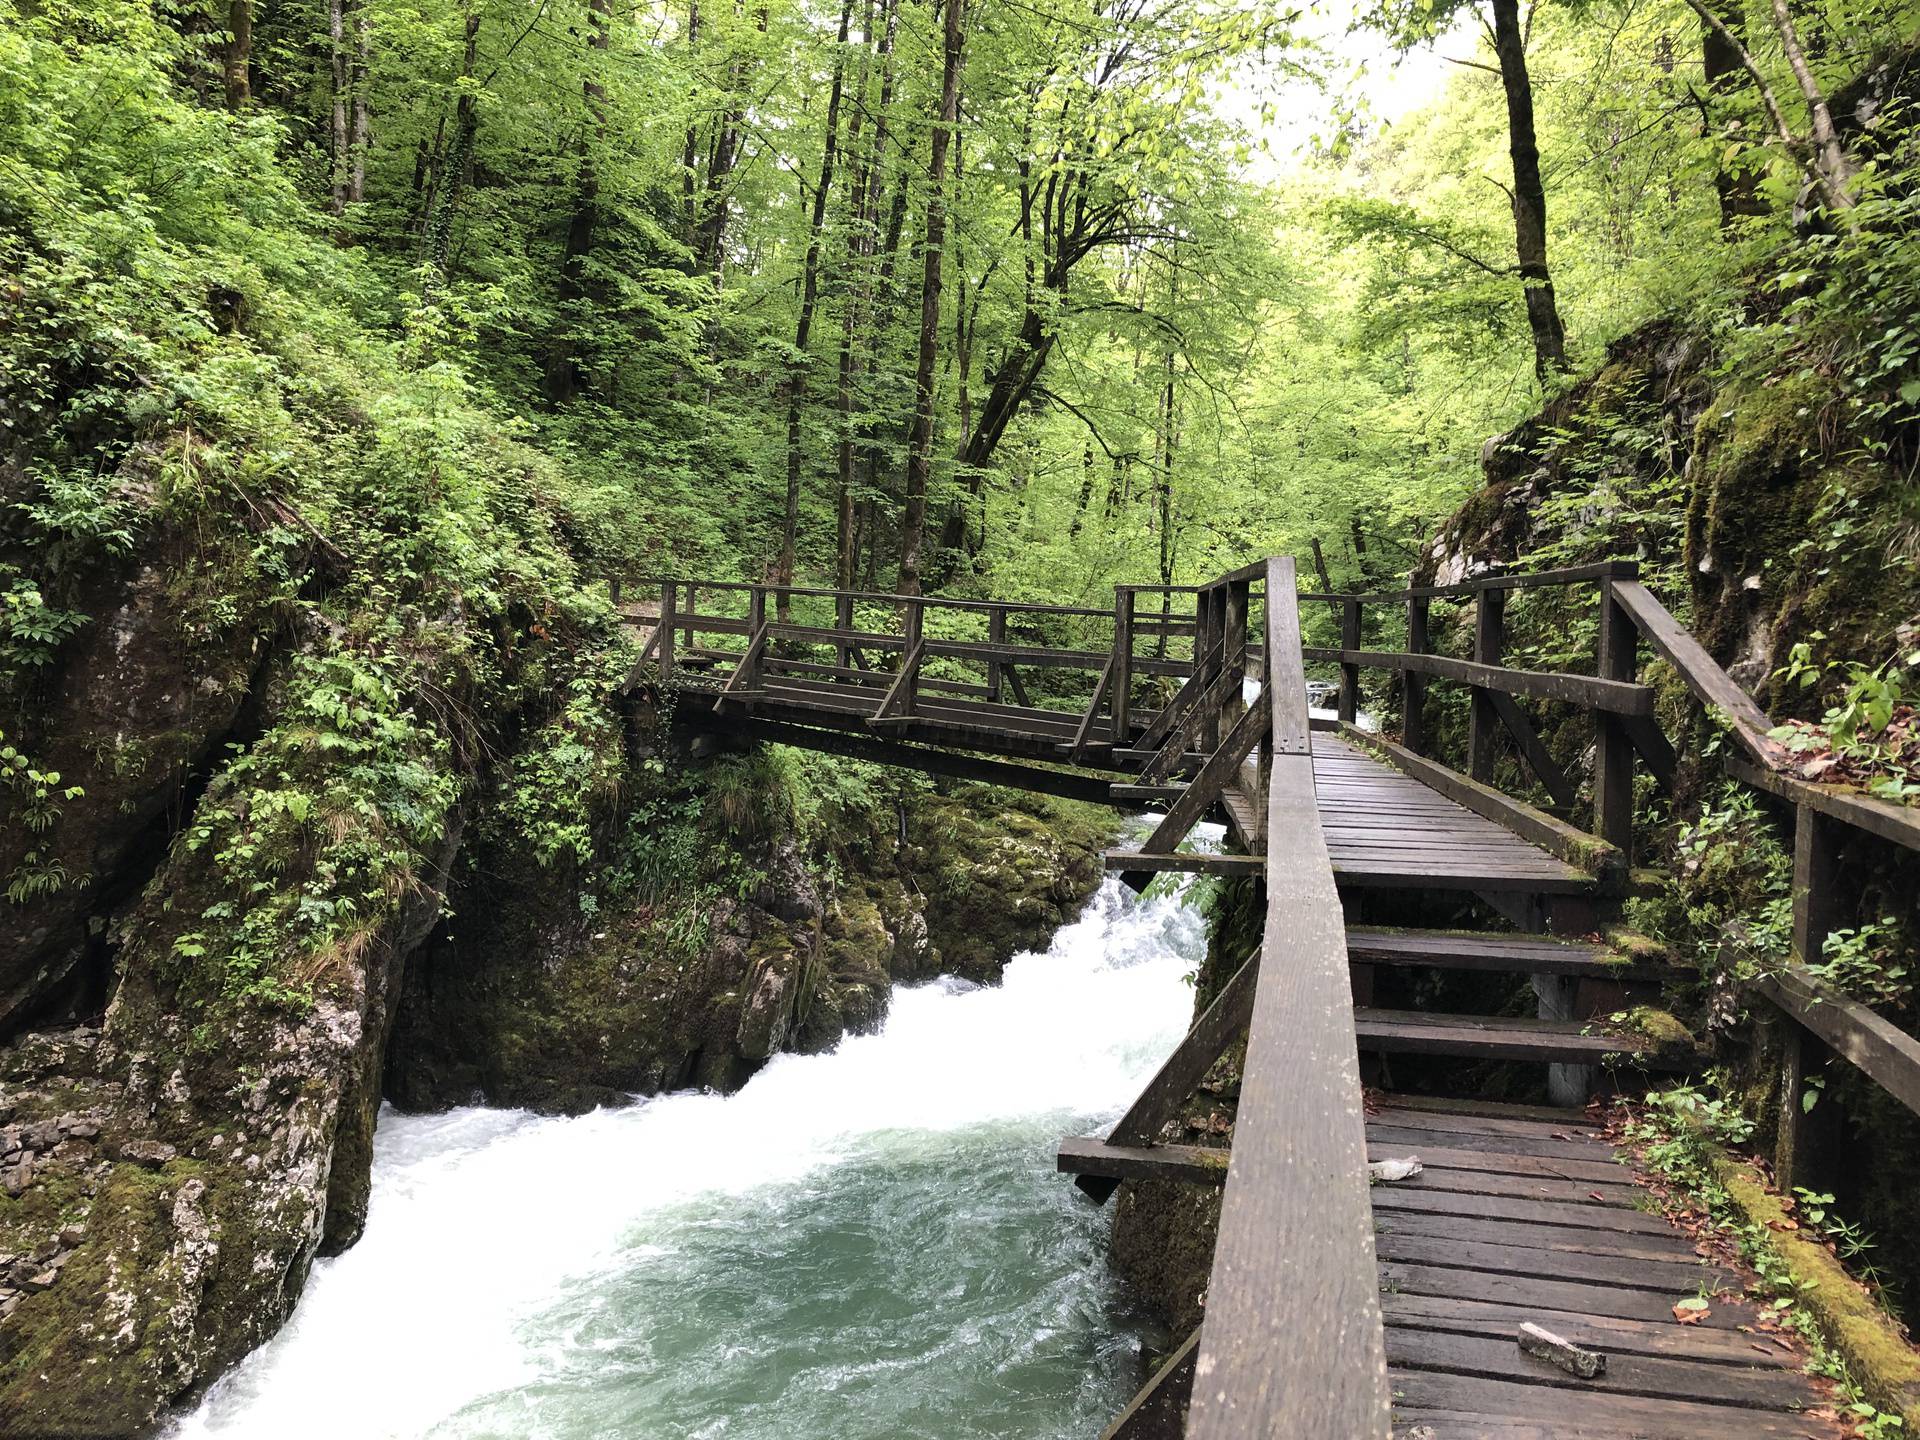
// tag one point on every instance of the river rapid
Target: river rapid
(864, 1245)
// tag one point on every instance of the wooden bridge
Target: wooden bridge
(1338, 1308)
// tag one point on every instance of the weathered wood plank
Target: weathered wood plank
(1078, 745)
(1621, 697)
(1558, 838)
(931, 760)
(1293, 1344)
(1655, 1377)
(1513, 580)
(1189, 729)
(1500, 1207)
(1679, 1277)
(1091, 1157)
(1571, 1412)
(1205, 788)
(1134, 861)
(1534, 750)
(1521, 1236)
(1879, 1049)
(1219, 1025)
(1521, 954)
(1898, 823)
(1609, 1333)
(1580, 1297)
(1702, 674)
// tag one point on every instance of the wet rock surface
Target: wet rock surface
(609, 1008)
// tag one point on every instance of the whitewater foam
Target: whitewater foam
(514, 1267)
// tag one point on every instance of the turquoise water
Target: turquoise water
(870, 1243)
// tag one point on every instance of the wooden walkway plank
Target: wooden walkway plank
(1645, 1375)
(1608, 1333)
(1566, 1411)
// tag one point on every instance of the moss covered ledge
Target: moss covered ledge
(1879, 1358)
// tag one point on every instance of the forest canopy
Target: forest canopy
(917, 292)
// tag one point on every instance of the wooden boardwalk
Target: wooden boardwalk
(1385, 828)
(1337, 1310)
(1525, 1216)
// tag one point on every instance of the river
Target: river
(869, 1244)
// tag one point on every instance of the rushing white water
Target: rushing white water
(867, 1243)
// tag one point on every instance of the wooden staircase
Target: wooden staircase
(1550, 961)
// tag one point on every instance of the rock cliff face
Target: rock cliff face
(1751, 500)
(554, 990)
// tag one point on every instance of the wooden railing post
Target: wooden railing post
(1413, 686)
(613, 592)
(996, 635)
(1349, 700)
(843, 621)
(1233, 642)
(756, 623)
(1804, 1137)
(1122, 664)
(1613, 750)
(663, 652)
(1489, 648)
(1206, 664)
(693, 608)
(1816, 911)
(916, 620)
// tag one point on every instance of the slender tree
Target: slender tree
(239, 54)
(1529, 194)
(800, 365)
(563, 365)
(913, 523)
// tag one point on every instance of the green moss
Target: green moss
(1664, 1030)
(1878, 1357)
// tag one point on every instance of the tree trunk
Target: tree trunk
(342, 65)
(1086, 492)
(798, 370)
(913, 523)
(1737, 184)
(437, 233)
(1163, 482)
(690, 150)
(361, 138)
(852, 314)
(1830, 156)
(1529, 194)
(563, 362)
(350, 120)
(239, 54)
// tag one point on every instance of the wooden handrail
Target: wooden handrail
(1702, 674)
(885, 597)
(1514, 580)
(1293, 1343)
(1618, 697)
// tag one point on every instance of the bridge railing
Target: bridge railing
(1292, 1342)
(1097, 666)
(1823, 819)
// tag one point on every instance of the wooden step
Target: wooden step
(1518, 954)
(1194, 1164)
(1484, 1037)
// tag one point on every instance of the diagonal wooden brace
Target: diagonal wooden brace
(1206, 788)
(1218, 1027)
